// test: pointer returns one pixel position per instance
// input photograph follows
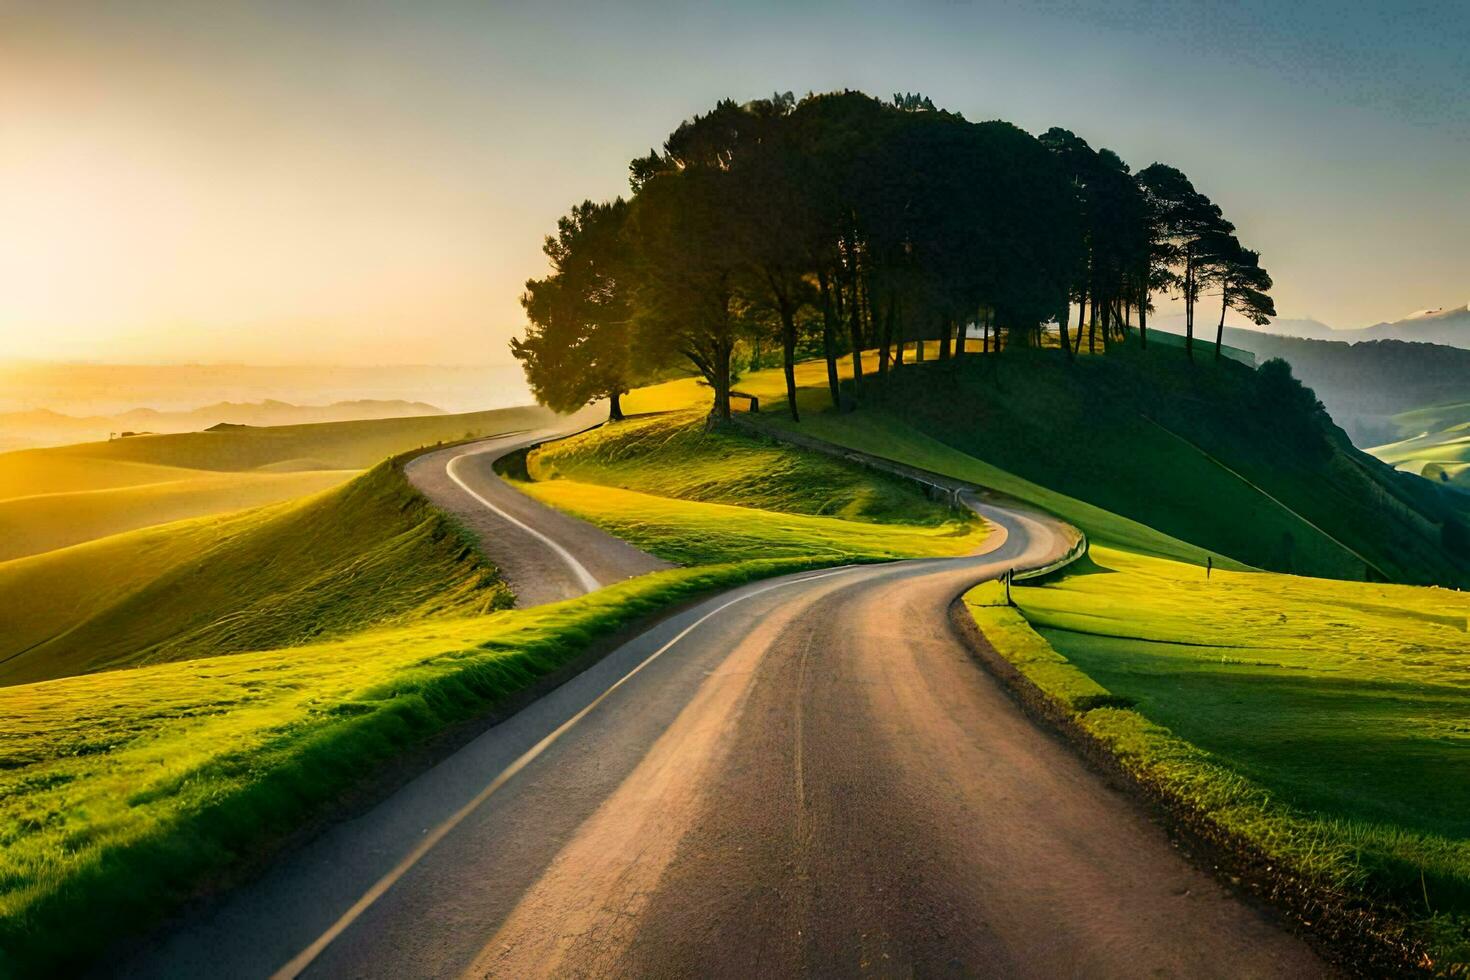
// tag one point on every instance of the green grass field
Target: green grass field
(670, 487)
(1435, 444)
(1321, 721)
(365, 554)
(1127, 447)
(1343, 698)
(122, 792)
(66, 495)
(1195, 452)
(325, 445)
(280, 655)
(43, 522)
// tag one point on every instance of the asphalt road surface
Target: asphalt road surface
(543, 554)
(802, 776)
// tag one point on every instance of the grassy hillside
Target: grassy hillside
(673, 455)
(51, 498)
(698, 497)
(1364, 384)
(1141, 450)
(121, 793)
(1345, 698)
(1321, 721)
(326, 445)
(366, 554)
(1221, 456)
(885, 434)
(33, 472)
(1433, 442)
(43, 522)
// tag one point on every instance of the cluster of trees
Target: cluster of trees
(856, 223)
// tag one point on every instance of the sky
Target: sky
(369, 183)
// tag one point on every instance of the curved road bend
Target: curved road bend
(807, 775)
(544, 554)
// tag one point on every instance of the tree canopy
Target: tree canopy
(840, 222)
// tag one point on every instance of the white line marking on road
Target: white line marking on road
(585, 579)
(304, 959)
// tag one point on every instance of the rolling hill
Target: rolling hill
(367, 554)
(1433, 442)
(41, 427)
(1222, 456)
(65, 495)
(1363, 384)
(1448, 326)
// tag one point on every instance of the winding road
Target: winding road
(803, 776)
(544, 554)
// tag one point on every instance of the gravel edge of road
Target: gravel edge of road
(1358, 938)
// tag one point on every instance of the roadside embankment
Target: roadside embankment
(1300, 864)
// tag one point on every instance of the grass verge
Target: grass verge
(123, 794)
(1387, 896)
(669, 487)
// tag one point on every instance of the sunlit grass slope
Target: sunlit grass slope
(1344, 697)
(885, 434)
(1435, 444)
(28, 472)
(694, 497)
(326, 445)
(1140, 448)
(1324, 720)
(673, 455)
(1193, 451)
(368, 553)
(121, 792)
(51, 498)
(31, 525)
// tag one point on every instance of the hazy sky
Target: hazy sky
(359, 182)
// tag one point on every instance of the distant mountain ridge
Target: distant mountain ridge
(1449, 326)
(43, 427)
(1364, 384)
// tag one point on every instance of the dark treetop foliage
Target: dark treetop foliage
(577, 347)
(850, 223)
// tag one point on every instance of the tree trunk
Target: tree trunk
(1092, 328)
(855, 325)
(898, 332)
(1189, 303)
(1062, 322)
(1143, 320)
(1081, 322)
(721, 380)
(788, 357)
(944, 338)
(829, 339)
(885, 340)
(1220, 330)
(614, 407)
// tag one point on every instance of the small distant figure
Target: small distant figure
(1209, 565)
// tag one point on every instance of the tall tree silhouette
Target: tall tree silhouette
(1187, 222)
(577, 346)
(1244, 285)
